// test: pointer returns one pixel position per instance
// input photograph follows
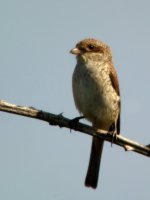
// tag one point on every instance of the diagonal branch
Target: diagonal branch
(59, 120)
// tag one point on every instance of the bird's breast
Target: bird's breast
(94, 94)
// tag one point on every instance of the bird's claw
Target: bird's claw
(73, 122)
(114, 137)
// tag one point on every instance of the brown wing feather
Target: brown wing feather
(114, 79)
(115, 84)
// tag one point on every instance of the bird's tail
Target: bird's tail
(94, 163)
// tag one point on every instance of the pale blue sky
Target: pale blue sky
(41, 162)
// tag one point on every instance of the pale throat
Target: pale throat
(91, 58)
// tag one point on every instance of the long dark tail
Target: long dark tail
(94, 163)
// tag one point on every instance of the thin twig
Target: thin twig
(59, 120)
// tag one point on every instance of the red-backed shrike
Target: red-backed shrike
(96, 95)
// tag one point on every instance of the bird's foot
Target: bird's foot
(114, 137)
(73, 122)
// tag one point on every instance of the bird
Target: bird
(96, 95)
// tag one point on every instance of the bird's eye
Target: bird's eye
(91, 46)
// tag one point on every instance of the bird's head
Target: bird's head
(92, 49)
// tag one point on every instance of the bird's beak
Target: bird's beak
(75, 51)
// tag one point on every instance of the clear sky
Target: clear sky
(41, 162)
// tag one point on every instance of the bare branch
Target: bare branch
(59, 120)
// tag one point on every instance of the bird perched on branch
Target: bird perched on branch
(96, 95)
